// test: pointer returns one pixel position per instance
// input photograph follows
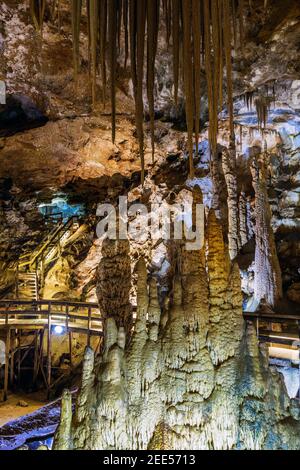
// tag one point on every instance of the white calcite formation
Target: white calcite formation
(267, 280)
(190, 375)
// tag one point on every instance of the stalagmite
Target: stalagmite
(62, 438)
(243, 229)
(229, 169)
(190, 382)
(224, 297)
(267, 282)
(114, 274)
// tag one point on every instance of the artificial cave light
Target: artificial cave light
(59, 330)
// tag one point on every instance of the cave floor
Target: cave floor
(10, 410)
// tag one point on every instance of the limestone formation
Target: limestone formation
(267, 281)
(229, 169)
(243, 219)
(113, 282)
(195, 381)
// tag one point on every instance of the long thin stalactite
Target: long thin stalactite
(201, 34)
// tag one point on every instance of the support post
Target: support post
(70, 349)
(49, 352)
(12, 360)
(7, 348)
(36, 357)
(19, 358)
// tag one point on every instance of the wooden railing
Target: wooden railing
(73, 316)
(55, 236)
(42, 317)
(270, 319)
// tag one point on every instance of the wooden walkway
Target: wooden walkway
(265, 322)
(43, 318)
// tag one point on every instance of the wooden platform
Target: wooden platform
(265, 322)
(42, 317)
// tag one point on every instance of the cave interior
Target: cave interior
(150, 224)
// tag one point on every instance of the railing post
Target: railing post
(67, 317)
(7, 350)
(89, 326)
(49, 351)
(17, 281)
(6, 316)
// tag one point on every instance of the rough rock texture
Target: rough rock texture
(268, 282)
(114, 283)
(190, 354)
(192, 375)
(229, 169)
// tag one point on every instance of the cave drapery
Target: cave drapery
(190, 375)
(188, 372)
(202, 32)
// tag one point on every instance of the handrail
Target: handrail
(270, 316)
(49, 239)
(39, 313)
(63, 303)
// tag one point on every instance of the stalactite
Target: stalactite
(188, 78)
(204, 22)
(126, 33)
(241, 138)
(209, 77)
(103, 35)
(119, 23)
(227, 47)
(176, 45)
(152, 36)
(37, 10)
(112, 22)
(234, 26)
(248, 99)
(141, 26)
(93, 24)
(262, 105)
(241, 20)
(167, 17)
(76, 15)
(196, 11)
(216, 31)
(220, 9)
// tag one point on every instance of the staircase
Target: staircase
(33, 266)
(27, 286)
